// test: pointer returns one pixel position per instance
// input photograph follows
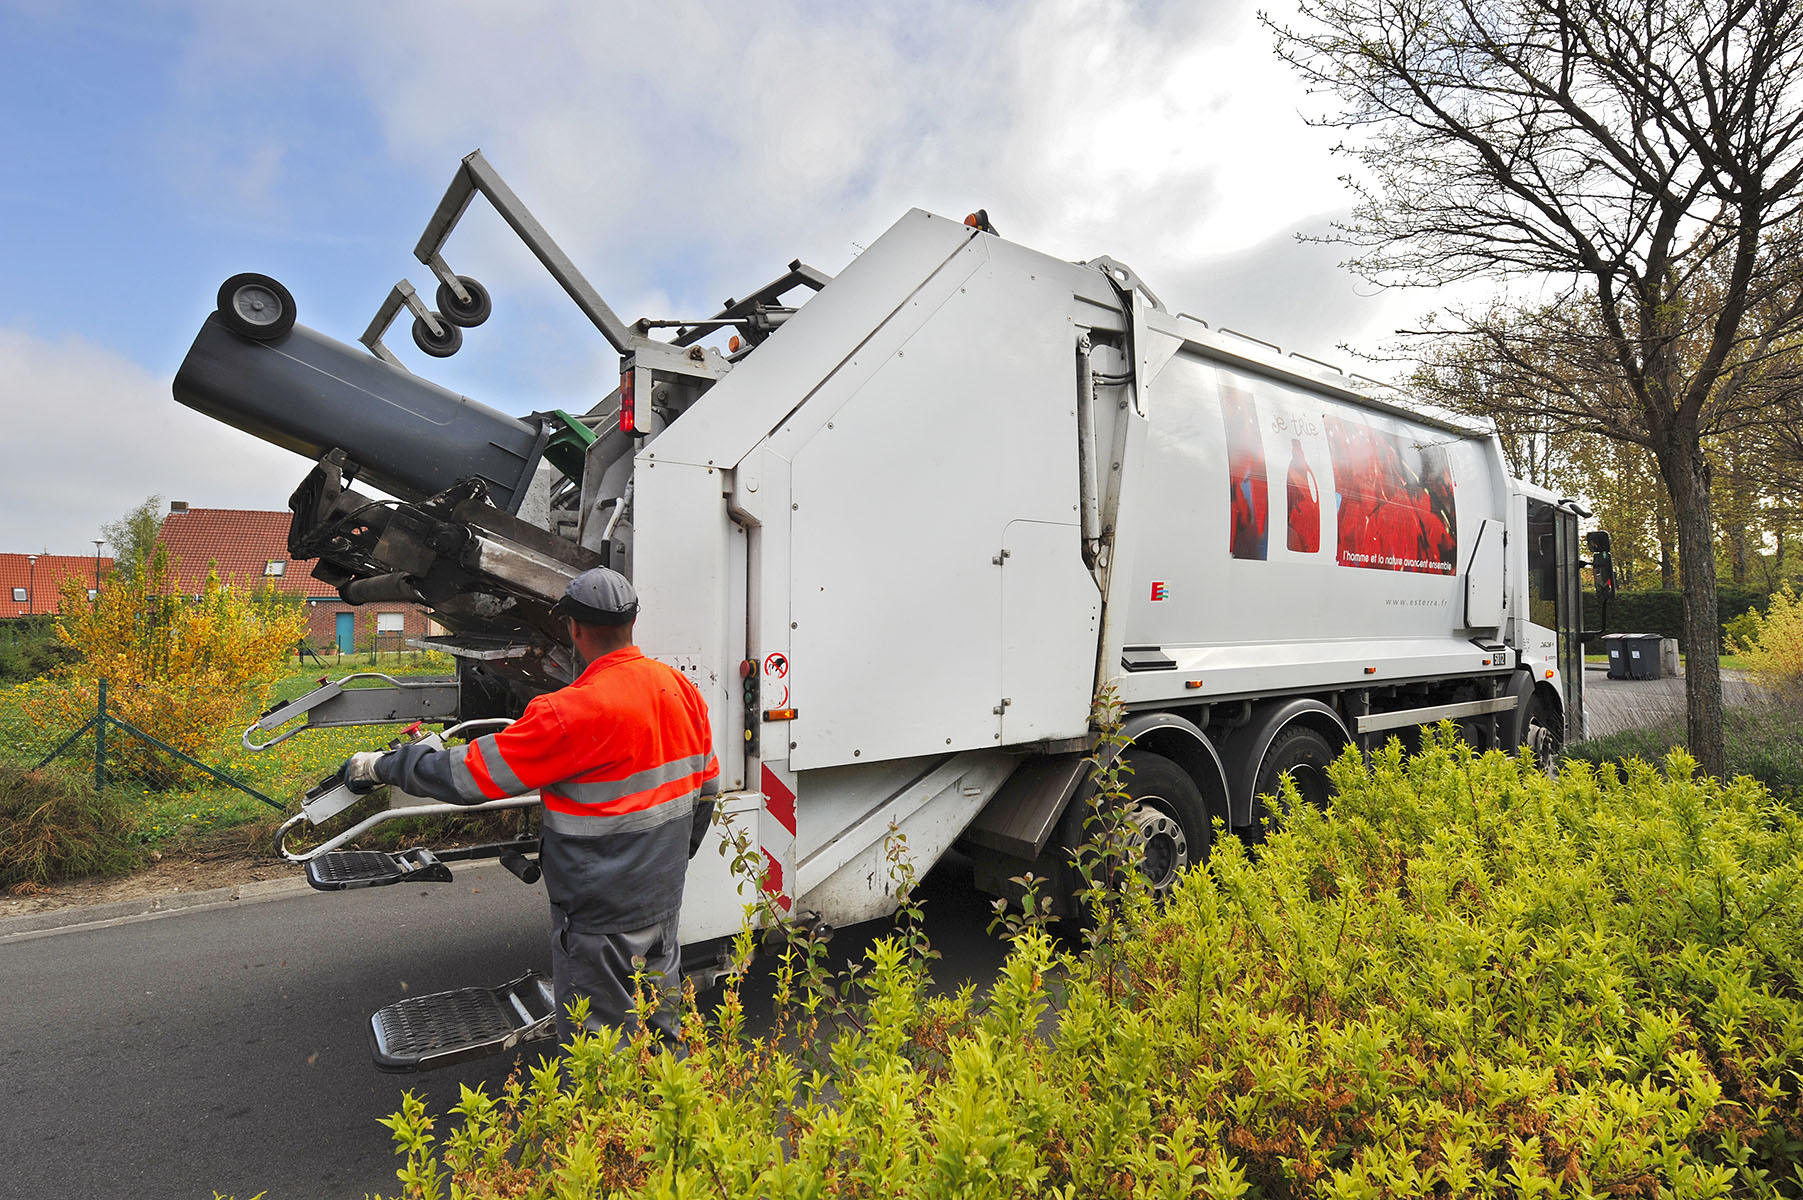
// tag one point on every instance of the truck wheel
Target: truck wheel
(1303, 754)
(1545, 737)
(1166, 810)
(437, 347)
(256, 306)
(467, 315)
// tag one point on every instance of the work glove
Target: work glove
(359, 772)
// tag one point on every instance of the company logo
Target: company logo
(1160, 592)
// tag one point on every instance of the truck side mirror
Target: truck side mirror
(1601, 561)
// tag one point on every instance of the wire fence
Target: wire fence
(114, 751)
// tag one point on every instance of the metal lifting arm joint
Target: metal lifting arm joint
(477, 175)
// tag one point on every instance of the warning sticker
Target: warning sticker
(776, 665)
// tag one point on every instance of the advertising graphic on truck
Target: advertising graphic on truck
(1394, 501)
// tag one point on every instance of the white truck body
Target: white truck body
(901, 540)
(883, 509)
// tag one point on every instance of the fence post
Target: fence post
(100, 741)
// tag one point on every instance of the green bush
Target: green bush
(1662, 612)
(55, 826)
(1461, 979)
(1742, 629)
(1764, 741)
(29, 648)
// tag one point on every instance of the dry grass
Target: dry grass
(54, 826)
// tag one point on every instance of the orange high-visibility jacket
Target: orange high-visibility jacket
(622, 759)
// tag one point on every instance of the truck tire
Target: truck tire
(1304, 754)
(1166, 806)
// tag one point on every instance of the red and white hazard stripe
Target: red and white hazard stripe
(776, 835)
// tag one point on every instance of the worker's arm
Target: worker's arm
(533, 751)
(424, 771)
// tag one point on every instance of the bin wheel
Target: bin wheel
(1168, 819)
(1303, 754)
(256, 306)
(437, 347)
(467, 315)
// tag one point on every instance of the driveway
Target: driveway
(1615, 705)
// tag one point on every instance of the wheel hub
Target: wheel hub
(1164, 849)
(1543, 744)
(256, 305)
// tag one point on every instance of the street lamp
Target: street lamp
(31, 585)
(98, 542)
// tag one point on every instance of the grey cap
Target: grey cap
(599, 597)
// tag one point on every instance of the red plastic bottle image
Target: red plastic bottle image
(1247, 486)
(1304, 503)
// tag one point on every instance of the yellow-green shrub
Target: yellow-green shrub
(1462, 979)
(1773, 650)
(180, 669)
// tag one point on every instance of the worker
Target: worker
(623, 761)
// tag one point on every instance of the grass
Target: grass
(54, 825)
(285, 772)
(161, 816)
(1765, 741)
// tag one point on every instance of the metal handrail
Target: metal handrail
(396, 811)
(386, 815)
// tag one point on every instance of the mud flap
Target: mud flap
(424, 1032)
(345, 869)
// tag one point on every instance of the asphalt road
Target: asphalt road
(226, 1050)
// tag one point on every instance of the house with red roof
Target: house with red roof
(32, 584)
(249, 549)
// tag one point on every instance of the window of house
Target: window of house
(19, 595)
(390, 622)
(275, 566)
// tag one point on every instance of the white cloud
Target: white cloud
(683, 152)
(90, 434)
(689, 149)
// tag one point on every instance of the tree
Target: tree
(134, 536)
(182, 670)
(1639, 163)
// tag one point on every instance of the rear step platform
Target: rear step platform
(423, 1032)
(344, 869)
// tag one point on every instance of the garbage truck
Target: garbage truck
(901, 526)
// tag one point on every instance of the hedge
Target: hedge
(1460, 979)
(1662, 612)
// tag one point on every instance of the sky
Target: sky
(680, 152)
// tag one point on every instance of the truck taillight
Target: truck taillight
(628, 408)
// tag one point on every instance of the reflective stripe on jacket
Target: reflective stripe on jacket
(621, 759)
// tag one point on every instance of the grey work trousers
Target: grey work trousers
(599, 966)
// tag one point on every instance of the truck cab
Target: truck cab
(1547, 623)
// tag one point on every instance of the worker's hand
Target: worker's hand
(360, 772)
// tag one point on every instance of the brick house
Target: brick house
(33, 583)
(249, 548)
